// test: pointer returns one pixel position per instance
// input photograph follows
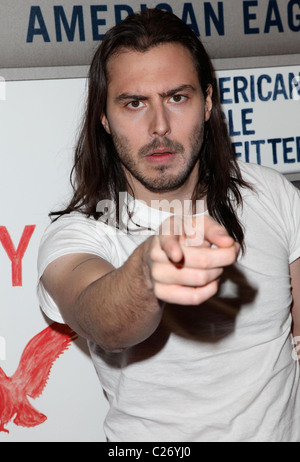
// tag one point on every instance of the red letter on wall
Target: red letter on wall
(14, 255)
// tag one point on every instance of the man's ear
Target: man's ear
(208, 102)
(105, 123)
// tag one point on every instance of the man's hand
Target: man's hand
(185, 269)
(121, 307)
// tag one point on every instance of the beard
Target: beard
(164, 181)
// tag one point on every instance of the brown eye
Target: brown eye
(178, 98)
(136, 104)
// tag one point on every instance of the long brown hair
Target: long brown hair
(97, 174)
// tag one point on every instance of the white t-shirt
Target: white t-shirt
(223, 371)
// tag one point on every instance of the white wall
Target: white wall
(38, 121)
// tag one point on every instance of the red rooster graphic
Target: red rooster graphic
(31, 376)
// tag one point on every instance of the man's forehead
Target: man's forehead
(162, 68)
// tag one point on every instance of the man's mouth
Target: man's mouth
(160, 155)
(161, 152)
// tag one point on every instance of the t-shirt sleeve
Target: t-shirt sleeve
(294, 219)
(282, 198)
(287, 197)
(69, 234)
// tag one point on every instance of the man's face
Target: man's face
(155, 114)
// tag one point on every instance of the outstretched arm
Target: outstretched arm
(118, 308)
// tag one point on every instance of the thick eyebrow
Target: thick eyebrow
(134, 97)
(129, 97)
(181, 88)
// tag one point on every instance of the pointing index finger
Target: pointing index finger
(172, 248)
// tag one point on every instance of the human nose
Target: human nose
(160, 123)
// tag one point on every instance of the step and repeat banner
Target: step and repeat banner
(49, 390)
(237, 33)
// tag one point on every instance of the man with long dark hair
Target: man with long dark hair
(178, 264)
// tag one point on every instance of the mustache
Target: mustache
(166, 143)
